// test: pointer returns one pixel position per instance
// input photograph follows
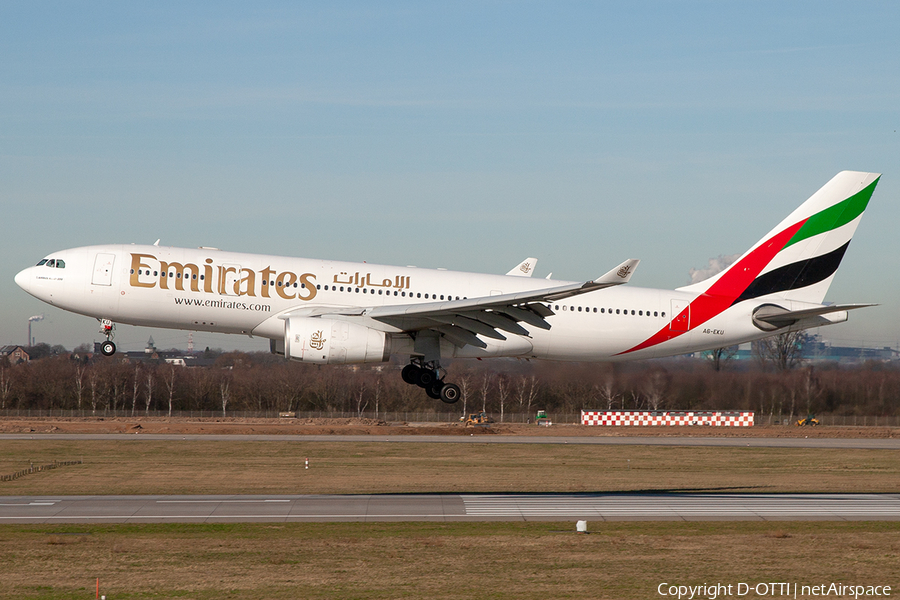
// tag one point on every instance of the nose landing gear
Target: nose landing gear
(107, 328)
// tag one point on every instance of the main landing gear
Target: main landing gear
(428, 377)
(107, 328)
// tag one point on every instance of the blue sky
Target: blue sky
(464, 135)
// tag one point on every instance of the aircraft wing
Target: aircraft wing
(461, 321)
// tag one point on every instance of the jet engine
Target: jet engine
(332, 341)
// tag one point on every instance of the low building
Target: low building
(15, 354)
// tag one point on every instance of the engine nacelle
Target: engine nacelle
(332, 341)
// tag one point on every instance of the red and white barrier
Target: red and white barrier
(655, 418)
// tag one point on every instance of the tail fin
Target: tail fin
(798, 259)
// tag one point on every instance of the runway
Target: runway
(448, 507)
(748, 442)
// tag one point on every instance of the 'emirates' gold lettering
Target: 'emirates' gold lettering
(226, 280)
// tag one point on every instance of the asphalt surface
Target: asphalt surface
(448, 507)
(483, 438)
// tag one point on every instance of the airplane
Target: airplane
(334, 312)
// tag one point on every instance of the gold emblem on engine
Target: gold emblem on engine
(316, 341)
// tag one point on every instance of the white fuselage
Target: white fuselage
(211, 290)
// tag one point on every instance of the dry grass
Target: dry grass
(217, 467)
(427, 560)
(434, 560)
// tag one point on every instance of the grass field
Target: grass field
(435, 560)
(226, 467)
(428, 560)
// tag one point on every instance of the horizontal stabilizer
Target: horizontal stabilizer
(769, 317)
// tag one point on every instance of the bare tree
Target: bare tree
(94, 382)
(719, 358)
(656, 384)
(784, 350)
(224, 393)
(464, 391)
(502, 393)
(527, 392)
(170, 386)
(376, 392)
(486, 381)
(5, 386)
(148, 387)
(79, 381)
(361, 401)
(136, 386)
(607, 390)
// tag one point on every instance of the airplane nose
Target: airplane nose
(25, 279)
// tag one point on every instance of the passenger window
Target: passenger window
(663, 314)
(617, 311)
(595, 309)
(579, 309)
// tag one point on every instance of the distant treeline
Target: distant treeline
(240, 381)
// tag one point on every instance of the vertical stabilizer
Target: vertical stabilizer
(797, 260)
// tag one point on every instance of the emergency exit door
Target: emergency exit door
(681, 316)
(103, 269)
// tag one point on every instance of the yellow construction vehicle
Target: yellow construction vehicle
(810, 420)
(479, 419)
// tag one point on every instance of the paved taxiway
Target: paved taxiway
(754, 442)
(448, 507)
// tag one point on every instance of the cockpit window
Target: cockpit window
(56, 263)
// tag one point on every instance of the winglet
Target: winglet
(619, 274)
(524, 268)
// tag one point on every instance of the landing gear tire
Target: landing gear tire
(450, 393)
(426, 379)
(434, 390)
(107, 348)
(410, 374)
